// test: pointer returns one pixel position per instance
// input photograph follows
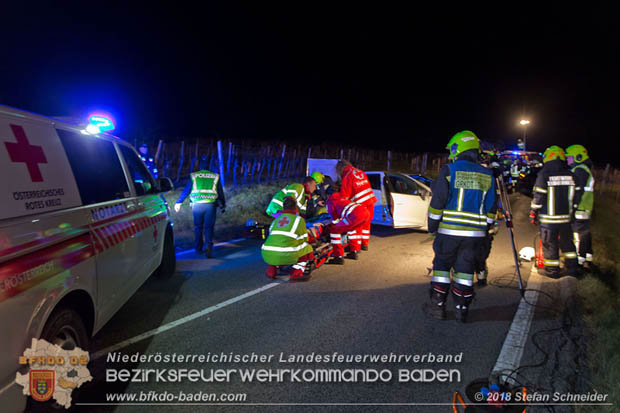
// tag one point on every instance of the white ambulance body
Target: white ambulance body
(82, 226)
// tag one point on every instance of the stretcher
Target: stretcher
(318, 238)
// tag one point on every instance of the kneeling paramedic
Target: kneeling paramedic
(287, 243)
(205, 193)
(461, 210)
(581, 167)
(299, 192)
(348, 218)
(552, 204)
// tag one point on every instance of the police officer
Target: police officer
(205, 193)
(581, 167)
(462, 208)
(552, 204)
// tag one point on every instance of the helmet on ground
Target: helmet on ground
(318, 177)
(577, 152)
(553, 152)
(527, 253)
(461, 142)
(251, 223)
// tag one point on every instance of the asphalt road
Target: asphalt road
(372, 306)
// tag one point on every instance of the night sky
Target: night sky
(399, 78)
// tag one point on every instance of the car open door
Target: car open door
(409, 202)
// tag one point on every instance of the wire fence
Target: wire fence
(244, 163)
(607, 181)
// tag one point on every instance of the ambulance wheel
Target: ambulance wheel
(168, 260)
(66, 329)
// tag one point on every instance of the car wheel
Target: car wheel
(168, 260)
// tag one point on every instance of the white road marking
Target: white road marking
(510, 356)
(181, 321)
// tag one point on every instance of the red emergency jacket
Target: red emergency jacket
(356, 187)
(345, 212)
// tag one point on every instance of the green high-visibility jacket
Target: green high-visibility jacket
(204, 187)
(296, 191)
(287, 240)
(584, 191)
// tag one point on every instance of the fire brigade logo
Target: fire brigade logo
(42, 384)
(283, 222)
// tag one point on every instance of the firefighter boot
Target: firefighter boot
(209, 252)
(482, 277)
(463, 299)
(437, 307)
(272, 271)
(364, 247)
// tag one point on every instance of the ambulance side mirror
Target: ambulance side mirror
(165, 185)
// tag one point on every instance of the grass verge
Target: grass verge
(601, 301)
(242, 203)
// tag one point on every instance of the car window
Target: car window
(96, 167)
(403, 185)
(375, 181)
(142, 179)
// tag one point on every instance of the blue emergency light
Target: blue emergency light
(99, 123)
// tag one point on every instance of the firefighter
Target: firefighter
(462, 209)
(205, 194)
(552, 204)
(581, 167)
(287, 243)
(356, 187)
(299, 192)
(348, 217)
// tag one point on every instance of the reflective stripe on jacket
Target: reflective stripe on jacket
(295, 191)
(554, 192)
(287, 240)
(464, 200)
(584, 191)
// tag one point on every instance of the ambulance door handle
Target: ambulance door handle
(130, 206)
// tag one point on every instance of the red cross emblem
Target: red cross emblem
(23, 151)
(284, 221)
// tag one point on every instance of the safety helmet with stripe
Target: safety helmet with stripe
(461, 142)
(577, 152)
(553, 152)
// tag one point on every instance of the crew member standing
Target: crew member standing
(553, 206)
(581, 167)
(205, 193)
(462, 209)
(356, 187)
(348, 217)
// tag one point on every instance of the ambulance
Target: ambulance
(82, 225)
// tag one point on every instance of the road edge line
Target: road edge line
(516, 339)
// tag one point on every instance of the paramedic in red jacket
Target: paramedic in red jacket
(348, 217)
(356, 187)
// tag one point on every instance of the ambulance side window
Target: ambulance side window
(96, 167)
(140, 176)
